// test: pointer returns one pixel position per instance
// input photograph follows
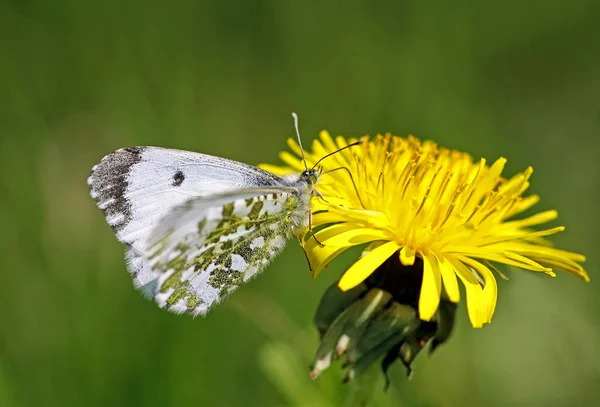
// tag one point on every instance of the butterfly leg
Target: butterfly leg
(311, 230)
(305, 255)
(320, 195)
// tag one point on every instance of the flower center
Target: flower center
(403, 282)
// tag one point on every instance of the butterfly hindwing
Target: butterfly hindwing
(207, 247)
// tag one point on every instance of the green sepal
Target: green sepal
(415, 342)
(387, 361)
(373, 303)
(397, 317)
(358, 313)
(368, 358)
(333, 302)
(329, 340)
(387, 330)
(445, 317)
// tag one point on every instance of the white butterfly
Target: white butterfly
(196, 226)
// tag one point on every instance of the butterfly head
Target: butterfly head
(311, 176)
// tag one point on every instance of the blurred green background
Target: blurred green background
(80, 79)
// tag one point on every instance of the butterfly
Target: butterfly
(195, 226)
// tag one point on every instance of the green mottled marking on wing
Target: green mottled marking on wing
(223, 277)
(193, 302)
(228, 210)
(228, 225)
(181, 289)
(255, 211)
(201, 226)
(216, 249)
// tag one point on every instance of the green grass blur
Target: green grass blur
(79, 79)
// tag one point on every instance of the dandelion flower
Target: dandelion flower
(417, 205)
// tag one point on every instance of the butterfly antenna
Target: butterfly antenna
(295, 116)
(356, 143)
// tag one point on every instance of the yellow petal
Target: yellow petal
(474, 292)
(537, 219)
(318, 255)
(449, 279)
(335, 240)
(318, 149)
(523, 205)
(293, 145)
(528, 249)
(328, 141)
(327, 233)
(493, 254)
(521, 234)
(317, 205)
(363, 268)
(407, 256)
(372, 218)
(372, 246)
(497, 168)
(564, 265)
(323, 218)
(356, 236)
(291, 160)
(490, 289)
(325, 257)
(431, 288)
(332, 201)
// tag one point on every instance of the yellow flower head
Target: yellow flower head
(415, 199)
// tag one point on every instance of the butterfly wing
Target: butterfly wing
(207, 247)
(137, 186)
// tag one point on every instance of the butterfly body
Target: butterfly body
(196, 226)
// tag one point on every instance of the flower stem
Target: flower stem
(363, 387)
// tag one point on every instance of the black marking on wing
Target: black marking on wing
(178, 178)
(109, 181)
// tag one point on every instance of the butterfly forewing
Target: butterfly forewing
(137, 186)
(207, 247)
